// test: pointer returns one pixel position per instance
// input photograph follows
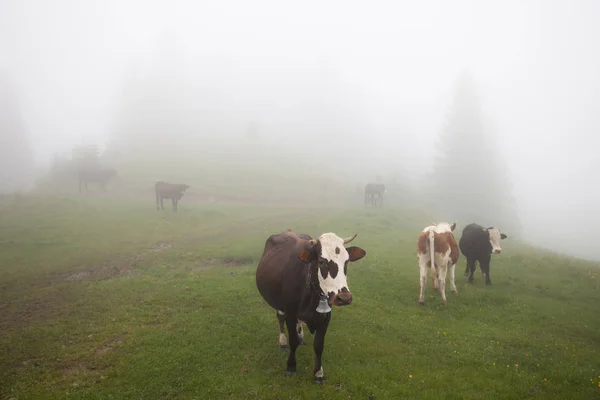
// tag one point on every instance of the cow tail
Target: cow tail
(432, 249)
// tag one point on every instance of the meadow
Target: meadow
(107, 298)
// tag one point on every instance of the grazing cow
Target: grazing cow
(173, 191)
(372, 190)
(478, 244)
(100, 175)
(437, 248)
(302, 278)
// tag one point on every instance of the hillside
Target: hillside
(103, 297)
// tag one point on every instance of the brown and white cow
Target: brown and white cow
(302, 278)
(437, 249)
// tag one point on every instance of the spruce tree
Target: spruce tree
(470, 183)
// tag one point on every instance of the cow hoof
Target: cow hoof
(284, 348)
(421, 302)
(320, 381)
(290, 373)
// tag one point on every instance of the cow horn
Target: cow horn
(349, 239)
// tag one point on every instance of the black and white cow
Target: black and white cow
(302, 278)
(478, 244)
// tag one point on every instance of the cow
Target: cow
(100, 175)
(173, 191)
(437, 249)
(301, 278)
(478, 244)
(372, 190)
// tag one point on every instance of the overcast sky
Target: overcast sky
(536, 64)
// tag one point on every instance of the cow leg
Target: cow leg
(442, 281)
(283, 344)
(162, 205)
(300, 332)
(294, 341)
(435, 279)
(485, 268)
(318, 346)
(422, 279)
(470, 269)
(452, 283)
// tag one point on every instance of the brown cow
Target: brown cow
(373, 190)
(437, 249)
(100, 175)
(173, 191)
(302, 278)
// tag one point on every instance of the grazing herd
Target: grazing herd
(301, 278)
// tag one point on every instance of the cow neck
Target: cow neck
(311, 284)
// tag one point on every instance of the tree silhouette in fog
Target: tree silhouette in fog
(16, 156)
(470, 179)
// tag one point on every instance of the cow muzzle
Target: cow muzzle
(342, 299)
(497, 251)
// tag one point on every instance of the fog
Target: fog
(362, 85)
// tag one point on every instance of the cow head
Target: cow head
(495, 236)
(328, 259)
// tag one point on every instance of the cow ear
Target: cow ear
(491, 227)
(306, 256)
(453, 226)
(503, 236)
(355, 253)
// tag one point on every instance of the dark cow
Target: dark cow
(478, 244)
(173, 191)
(302, 278)
(373, 190)
(100, 175)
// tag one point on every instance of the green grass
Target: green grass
(103, 298)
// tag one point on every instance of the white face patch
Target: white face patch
(495, 239)
(332, 249)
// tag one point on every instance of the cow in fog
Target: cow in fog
(438, 251)
(477, 245)
(374, 191)
(173, 191)
(301, 278)
(100, 175)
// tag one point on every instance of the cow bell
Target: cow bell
(323, 306)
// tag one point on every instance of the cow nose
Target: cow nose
(497, 251)
(343, 299)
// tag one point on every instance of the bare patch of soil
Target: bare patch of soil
(226, 262)
(122, 268)
(111, 344)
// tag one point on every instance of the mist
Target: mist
(361, 88)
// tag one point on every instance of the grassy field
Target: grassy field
(103, 298)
